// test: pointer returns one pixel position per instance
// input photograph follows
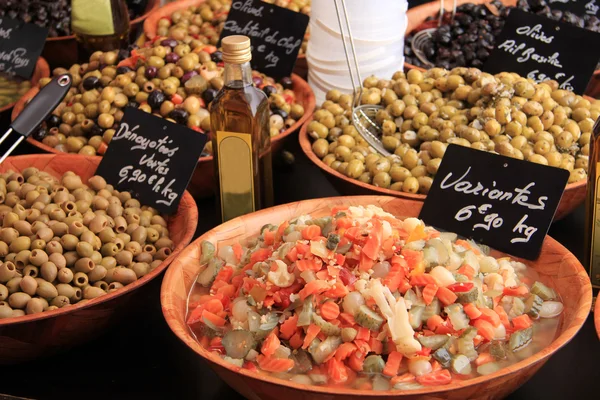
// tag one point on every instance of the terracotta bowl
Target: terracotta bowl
(151, 23)
(62, 51)
(556, 266)
(573, 196)
(41, 71)
(32, 336)
(597, 316)
(201, 184)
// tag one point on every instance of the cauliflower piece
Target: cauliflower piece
(410, 224)
(494, 281)
(281, 277)
(443, 276)
(508, 272)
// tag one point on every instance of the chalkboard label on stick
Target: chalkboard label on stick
(577, 7)
(20, 46)
(505, 203)
(152, 158)
(540, 48)
(276, 34)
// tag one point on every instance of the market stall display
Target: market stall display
(13, 88)
(424, 112)
(574, 292)
(74, 255)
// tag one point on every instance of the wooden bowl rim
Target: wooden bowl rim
(190, 227)
(168, 9)
(424, 8)
(306, 145)
(42, 70)
(166, 295)
(300, 85)
(150, 7)
(597, 315)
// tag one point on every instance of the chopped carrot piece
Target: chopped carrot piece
(503, 316)
(393, 364)
(345, 350)
(314, 287)
(434, 322)
(270, 344)
(330, 310)
(521, 322)
(373, 244)
(213, 318)
(363, 334)
(347, 319)
(404, 378)
(311, 333)
(467, 271)
(375, 345)
(337, 371)
(296, 340)
(311, 232)
(441, 377)
(355, 361)
(484, 328)
(471, 311)
(446, 296)
(484, 358)
(423, 280)
(517, 291)
(429, 292)
(214, 306)
(288, 327)
(269, 237)
(490, 315)
(271, 364)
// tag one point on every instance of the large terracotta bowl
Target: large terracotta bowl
(556, 267)
(597, 316)
(572, 197)
(62, 51)
(32, 336)
(417, 15)
(201, 184)
(41, 71)
(150, 24)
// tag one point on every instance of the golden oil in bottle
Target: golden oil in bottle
(100, 25)
(592, 209)
(241, 142)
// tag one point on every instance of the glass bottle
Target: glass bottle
(592, 209)
(241, 142)
(100, 25)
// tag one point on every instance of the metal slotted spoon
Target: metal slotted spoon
(363, 116)
(424, 37)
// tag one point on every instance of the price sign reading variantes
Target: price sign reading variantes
(542, 49)
(152, 158)
(276, 34)
(20, 46)
(503, 202)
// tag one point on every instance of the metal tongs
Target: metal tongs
(363, 116)
(421, 38)
(37, 110)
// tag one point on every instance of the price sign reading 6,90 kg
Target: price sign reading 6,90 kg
(503, 202)
(152, 158)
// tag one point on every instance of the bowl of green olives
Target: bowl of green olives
(423, 112)
(13, 88)
(202, 20)
(61, 46)
(74, 252)
(168, 78)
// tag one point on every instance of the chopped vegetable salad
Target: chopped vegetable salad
(361, 299)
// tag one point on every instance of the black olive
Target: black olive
(40, 133)
(155, 99)
(269, 90)
(209, 95)
(53, 121)
(283, 114)
(123, 70)
(133, 104)
(96, 130)
(179, 115)
(217, 56)
(287, 83)
(90, 83)
(151, 72)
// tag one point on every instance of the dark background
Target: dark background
(140, 358)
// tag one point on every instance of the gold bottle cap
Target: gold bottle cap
(236, 49)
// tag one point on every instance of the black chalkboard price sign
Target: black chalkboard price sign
(577, 7)
(503, 202)
(152, 158)
(20, 46)
(276, 34)
(541, 49)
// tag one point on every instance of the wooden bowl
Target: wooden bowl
(32, 336)
(556, 266)
(62, 51)
(573, 196)
(150, 24)
(597, 316)
(201, 184)
(41, 71)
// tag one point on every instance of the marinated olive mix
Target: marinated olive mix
(468, 40)
(64, 242)
(172, 79)
(11, 89)
(425, 111)
(55, 14)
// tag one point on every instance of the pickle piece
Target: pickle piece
(468, 297)
(368, 318)
(465, 343)
(461, 365)
(457, 316)
(520, 339)
(443, 357)
(533, 305)
(373, 364)
(543, 291)
(498, 350)
(349, 334)
(434, 308)
(208, 275)
(208, 251)
(326, 327)
(238, 343)
(433, 342)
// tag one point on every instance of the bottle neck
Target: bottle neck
(237, 75)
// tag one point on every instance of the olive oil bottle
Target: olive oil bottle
(241, 142)
(592, 208)
(100, 25)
